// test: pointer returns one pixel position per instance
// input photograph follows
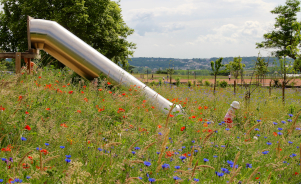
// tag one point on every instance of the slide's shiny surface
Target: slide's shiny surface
(85, 60)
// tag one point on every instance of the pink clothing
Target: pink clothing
(229, 117)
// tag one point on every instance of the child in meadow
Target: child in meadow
(231, 114)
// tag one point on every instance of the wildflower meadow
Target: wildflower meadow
(56, 130)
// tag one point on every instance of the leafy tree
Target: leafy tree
(215, 66)
(97, 22)
(235, 66)
(261, 67)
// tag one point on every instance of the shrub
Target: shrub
(178, 81)
(152, 83)
(223, 84)
(207, 83)
(200, 82)
(189, 84)
(160, 82)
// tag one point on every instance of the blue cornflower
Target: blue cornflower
(223, 146)
(99, 149)
(280, 129)
(283, 122)
(176, 178)
(230, 162)
(177, 167)
(166, 147)
(183, 147)
(39, 148)
(214, 156)
(195, 179)
(248, 165)
(258, 135)
(160, 133)
(165, 166)
(280, 133)
(3, 159)
(269, 143)
(223, 122)
(158, 152)
(238, 137)
(68, 156)
(290, 115)
(219, 174)
(62, 147)
(151, 180)
(224, 170)
(293, 155)
(182, 157)
(140, 178)
(46, 144)
(28, 177)
(285, 162)
(265, 137)
(258, 120)
(298, 128)
(290, 142)
(68, 160)
(133, 152)
(227, 129)
(137, 148)
(146, 163)
(193, 141)
(206, 160)
(256, 129)
(265, 152)
(196, 151)
(23, 138)
(236, 166)
(1, 180)
(220, 124)
(289, 120)
(275, 123)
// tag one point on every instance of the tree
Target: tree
(261, 67)
(215, 66)
(285, 38)
(97, 22)
(235, 66)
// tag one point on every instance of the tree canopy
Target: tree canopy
(97, 22)
(235, 66)
(286, 32)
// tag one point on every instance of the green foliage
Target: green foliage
(207, 83)
(223, 84)
(200, 82)
(285, 37)
(261, 67)
(235, 66)
(189, 84)
(178, 81)
(99, 23)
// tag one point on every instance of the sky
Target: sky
(198, 28)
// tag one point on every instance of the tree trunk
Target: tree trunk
(214, 84)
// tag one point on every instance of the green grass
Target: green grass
(100, 127)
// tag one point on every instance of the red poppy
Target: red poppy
(63, 86)
(171, 115)
(8, 148)
(47, 109)
(26, 112)
(82, 92)
(193, 116)
(86, 99)
(70, 92)
(257, 178)
(169, 154)
(153, 107)
(99, 89)
(159, 126)
(40, 77)
(2, 108)
(205, 125)
(296, 173)
(200, 119)
(209, 130)
(84, 87)
(64, 125)
(79, 111)
(123, 94)
(183, 128)
(144, 101)
(20, 98)
(108, 83)
(27, 127)
(44, 151)
(275, 134)
(110, 92)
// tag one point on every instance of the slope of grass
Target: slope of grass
(56, 131)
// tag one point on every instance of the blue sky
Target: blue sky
(198, 28)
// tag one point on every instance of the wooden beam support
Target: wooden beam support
(23, 55)
(18, 56)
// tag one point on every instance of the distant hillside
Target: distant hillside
(194, 63)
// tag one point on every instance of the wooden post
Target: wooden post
(170, 80)
(270, 87)
(234, 87)
(18, 62)
(283, 92)
(27, 60)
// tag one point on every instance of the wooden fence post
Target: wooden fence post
(18, 62)
(270, 89)
(234, 87)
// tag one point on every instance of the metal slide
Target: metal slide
(83, 59)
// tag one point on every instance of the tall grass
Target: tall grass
(82, 133)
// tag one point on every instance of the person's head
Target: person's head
(235, 105)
